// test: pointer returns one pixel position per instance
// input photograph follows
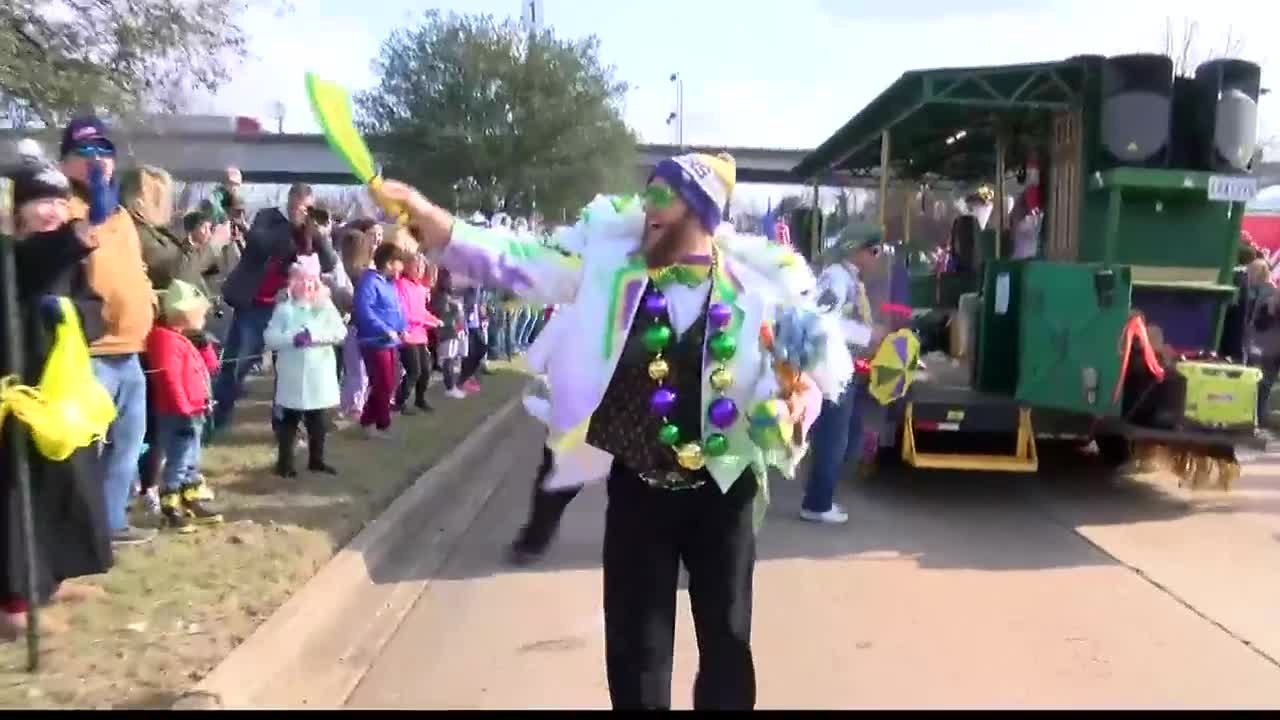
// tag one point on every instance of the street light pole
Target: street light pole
(679, 114)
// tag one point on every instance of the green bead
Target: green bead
(668, 434)
(715, 445)
(723, 346)
(656, 338)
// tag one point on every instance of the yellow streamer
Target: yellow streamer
(69, 409)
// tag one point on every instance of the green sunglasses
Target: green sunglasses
(659, 197)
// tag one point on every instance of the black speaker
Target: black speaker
(1137, 100)
(1229, 91)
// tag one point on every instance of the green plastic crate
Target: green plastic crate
(1067, 337)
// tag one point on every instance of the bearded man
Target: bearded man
(665, 391)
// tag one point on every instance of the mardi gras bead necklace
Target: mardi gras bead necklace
(722, 412)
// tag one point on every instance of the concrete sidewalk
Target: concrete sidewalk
(314, 650)
(943, 591)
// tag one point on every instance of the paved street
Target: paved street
(943, 591)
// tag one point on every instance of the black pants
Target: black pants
(151, 464)
(648, 533)
(545, 511)
(288, 435)
(416, 360)
(477, 349)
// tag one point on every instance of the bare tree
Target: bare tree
(1185, 48)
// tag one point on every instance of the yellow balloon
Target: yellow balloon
(658, 369)
(690, 456)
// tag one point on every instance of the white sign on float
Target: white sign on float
(1223, 188)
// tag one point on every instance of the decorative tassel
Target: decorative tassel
(1197, 468)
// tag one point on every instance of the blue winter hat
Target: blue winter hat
(704, 182)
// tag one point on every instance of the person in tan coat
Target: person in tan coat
(117, 273)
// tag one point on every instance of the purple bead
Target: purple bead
(655, 304)
(662, 402)
(722, 413)
(719, 315)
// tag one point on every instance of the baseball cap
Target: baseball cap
(86, 131)
(181, 297)
(860, 237)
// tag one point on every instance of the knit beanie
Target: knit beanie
(704, 182)
(38, 181)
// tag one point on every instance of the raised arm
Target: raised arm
(490, 258)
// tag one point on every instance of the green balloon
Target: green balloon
(656, 338)
(723, 346)
(715, 445)
(669, 435)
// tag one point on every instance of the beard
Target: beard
(665, 245)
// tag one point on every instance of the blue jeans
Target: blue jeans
(837, 435)
(239, 354)
(122, 377)
(526, 328)
(178, 437)
(514, 325)
(500, 334)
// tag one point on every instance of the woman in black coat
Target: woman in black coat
(71, 535)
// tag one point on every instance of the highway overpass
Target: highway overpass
(286, 158)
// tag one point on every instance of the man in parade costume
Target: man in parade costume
(672, 314)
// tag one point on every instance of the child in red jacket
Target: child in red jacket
(180, 393)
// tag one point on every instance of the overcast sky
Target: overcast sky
(766, 73)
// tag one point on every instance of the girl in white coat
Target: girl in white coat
(304, 329)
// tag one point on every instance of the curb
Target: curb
(314, 650)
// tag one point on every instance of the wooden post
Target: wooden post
(1000, 211)
(815, 220)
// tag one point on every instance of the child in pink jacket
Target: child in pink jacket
(413, 287)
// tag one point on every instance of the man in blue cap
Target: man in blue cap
(117, 273)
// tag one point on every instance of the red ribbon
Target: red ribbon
(1136, 329)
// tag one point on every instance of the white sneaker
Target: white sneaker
(373, 433)
(835, 516)
(456, 394)
(151, 501)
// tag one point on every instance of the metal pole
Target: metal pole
(680, 108)
(15, 436)
(884, 181)
(909, 210)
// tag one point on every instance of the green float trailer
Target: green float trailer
(1046, 357)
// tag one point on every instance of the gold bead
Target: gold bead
(690, 456)
(658, 369)
(721, 379)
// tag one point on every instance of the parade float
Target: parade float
(1118, 326)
